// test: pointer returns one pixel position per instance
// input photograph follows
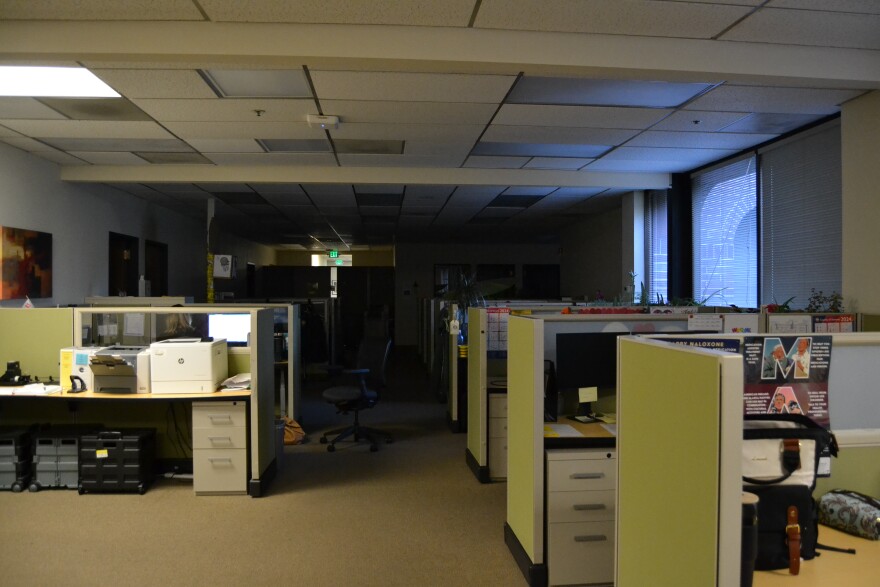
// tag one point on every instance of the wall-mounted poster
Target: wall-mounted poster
(27, 263)
(787, 375)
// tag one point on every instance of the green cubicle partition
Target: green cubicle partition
(477, 402)
(33, 337)
(679, 438)
(525, 449)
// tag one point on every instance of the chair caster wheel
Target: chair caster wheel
(373, 448)
(330, 448)
(323, 440)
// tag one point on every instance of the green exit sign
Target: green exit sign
(334, 254)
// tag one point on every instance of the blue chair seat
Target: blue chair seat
(347, 393)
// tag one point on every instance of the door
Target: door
(156, 267)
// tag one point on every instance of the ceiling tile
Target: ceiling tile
(60, 157)
(585, 116)
(378, 188)
(770, 123)
(857, 6)
(383, 12)
(228, 188)
(94, 129)
(225, 145)
(124, 144)
(296, 145)
(808, 27)
(96, 108)
(491, 149)
(228, 110)
(410, 87)
(557, 134)
(259, 83)
(366, 160)
(389, 211)
(281, 199)
(368, 146)
(698, 140)
(26, 143)
(244, 130)
(361, 111)
(577, 193)
(408, 132)
(166, 158)
(12, 107)
(556, 163)
(597, 92)
(156, 83)
(278, 188)
(297, 159)
(101, 10)
(697, 121)
(496, 162)
(415, 220)
(613, 17)
(390, 200)
(773, 99)
(109, 158)
(506, 200)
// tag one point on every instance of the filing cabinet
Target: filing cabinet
(220, 456)
(497, 450)
(580, 516)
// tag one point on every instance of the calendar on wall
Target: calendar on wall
(496, 335)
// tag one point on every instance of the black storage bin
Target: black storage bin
(15, 458)
(117, 460)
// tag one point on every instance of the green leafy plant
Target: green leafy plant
(819, 302)
(776, 308)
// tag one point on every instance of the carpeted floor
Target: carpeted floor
(410, 514)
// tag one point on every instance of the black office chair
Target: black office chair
(360, 394)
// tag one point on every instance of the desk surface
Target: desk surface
(92, 395)
(831, 568)
(591, 435)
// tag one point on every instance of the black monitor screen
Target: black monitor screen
(235, 328)
(586, 359)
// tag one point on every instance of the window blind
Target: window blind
(801, 224)
(725, 234)
(657, 245)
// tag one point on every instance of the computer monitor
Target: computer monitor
(586, 359)
(235, 328)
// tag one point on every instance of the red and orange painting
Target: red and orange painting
(26, 256)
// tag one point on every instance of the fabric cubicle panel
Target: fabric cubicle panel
(679, 429)
(34, 337)
(525, 429)
(476, 385)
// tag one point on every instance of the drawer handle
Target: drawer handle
(588, 506)
(219, 461)
(220, 439)
(591, 538)
(587, 475)
(224, 418)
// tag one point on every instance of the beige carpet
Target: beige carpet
(411, 514)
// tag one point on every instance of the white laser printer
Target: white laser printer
(121, 369)
(188, 365)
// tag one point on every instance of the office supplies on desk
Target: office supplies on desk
(75, 362)
(121, 369)
(188, 365)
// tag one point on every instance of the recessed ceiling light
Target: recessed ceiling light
(61, 82)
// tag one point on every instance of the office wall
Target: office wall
(592, 257)
(414, 265)
(80, 216)
(860, 139)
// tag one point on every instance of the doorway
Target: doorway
(156, 267)
(123, 270)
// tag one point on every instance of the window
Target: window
(657, 245)
(801, 225)
(725, 236)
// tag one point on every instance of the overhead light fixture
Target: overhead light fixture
(322, 121)
(59, 82)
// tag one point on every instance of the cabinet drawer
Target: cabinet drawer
(220, 437)
(219, 414)
(497, 427)
(498, 458)
(579, 475)
(580, 552)
(219, 471)
(497, 405)
(580, 506)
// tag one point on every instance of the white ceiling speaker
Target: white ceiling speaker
(321, 121)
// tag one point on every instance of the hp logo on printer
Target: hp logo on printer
(180, 361)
